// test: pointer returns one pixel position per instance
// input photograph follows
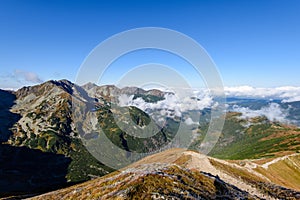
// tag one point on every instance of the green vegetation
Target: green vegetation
(127, 140)
(252, 139)
(83, 165)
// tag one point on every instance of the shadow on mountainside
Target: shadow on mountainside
(24, 170)
(27, 171)
(7, 118)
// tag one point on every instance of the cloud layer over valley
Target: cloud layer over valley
(273, 112)
(286, 94)
(273, 103)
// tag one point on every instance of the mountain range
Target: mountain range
(46, 130)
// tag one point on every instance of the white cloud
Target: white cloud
(286, 93)
(172, 105)
(27, 76)
(273, 112)
(9, 89)
(189, 121)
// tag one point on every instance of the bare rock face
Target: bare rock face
(156, 92)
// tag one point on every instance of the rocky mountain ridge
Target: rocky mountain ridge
(178, 174)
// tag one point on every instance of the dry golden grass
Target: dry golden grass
(145, 182)
(170, 181)
(284, 172)
(183, 160)
(236, 172)
(168, 156)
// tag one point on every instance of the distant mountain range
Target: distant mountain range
(45, 129)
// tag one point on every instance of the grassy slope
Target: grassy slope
(261, 139)
(284, 172)
(170, 181)
(154, 175)
(265, 187)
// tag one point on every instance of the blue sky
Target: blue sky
(255, 42)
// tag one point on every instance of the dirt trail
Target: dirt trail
(201, 162)
(266, 165)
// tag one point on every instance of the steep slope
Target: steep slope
(283, 170)
(46, 124)
(245, 174)
(38, 121)
(252, 138)
(7, 118)
(177, 174)
(153, 181)
(29, 171)
(41, 118)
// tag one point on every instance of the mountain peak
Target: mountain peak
(64, 84)
(46, 87)
(89, 86)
